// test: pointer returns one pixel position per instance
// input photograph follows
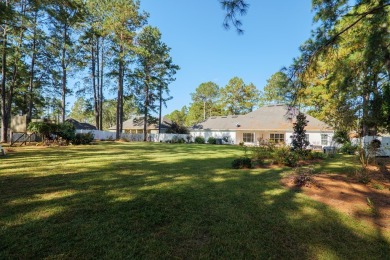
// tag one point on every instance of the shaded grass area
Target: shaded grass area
(152, 200)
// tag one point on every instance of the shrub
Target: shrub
(67, 131)
(362, 175)
(86, 138)
(124, 139)
(375, 144)
(303, 180)
(304, 154)
(64, 130)
(291, 159)
(199, 140)
(175, 139)
(303, 177)
(284, 156)
(318, 155)
(260, 153)
(341, 137)
(241, 163)
(42, 128)
(348, 148)
(280, 153)
(212, 140)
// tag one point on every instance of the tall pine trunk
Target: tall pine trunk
(4, 114)
(95, 90)
(32, 68)
(146, 107)
(159, 109)
(98, 82)
(17, 56)
(64, 74)
(101, 98)
(119, 108)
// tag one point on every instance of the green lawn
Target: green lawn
(154, 200)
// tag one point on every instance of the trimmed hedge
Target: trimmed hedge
(212, 140)
(199, 140)
(86, 138)
(241, 163)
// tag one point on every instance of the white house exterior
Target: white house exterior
(269, 123)
(135, 125)
(384, 149)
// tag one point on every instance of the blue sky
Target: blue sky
(205, 51)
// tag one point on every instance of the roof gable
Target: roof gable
(273, 117)
(79, 125)
(138, 123)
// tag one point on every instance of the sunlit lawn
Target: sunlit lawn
(146, 200)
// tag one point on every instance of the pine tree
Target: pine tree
(154, 72)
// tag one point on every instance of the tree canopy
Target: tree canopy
(48, 45)
(342, 75)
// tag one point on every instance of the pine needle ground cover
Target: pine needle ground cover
(155, 200)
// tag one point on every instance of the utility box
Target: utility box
(329, 149)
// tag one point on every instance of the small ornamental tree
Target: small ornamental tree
(299, 142)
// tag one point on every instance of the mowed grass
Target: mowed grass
(174, 201)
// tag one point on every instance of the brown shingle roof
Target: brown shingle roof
(273, 117)
(81, 126)
(138, 123)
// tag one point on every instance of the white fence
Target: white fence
(105, 135)
(98, 135)
(384, 149)
(169, 137)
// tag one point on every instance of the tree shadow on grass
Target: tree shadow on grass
(186, 208)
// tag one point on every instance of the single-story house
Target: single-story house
(268, 123)
(135, 125)
(80, 126)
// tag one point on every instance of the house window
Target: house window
(277, 138)
(307, 137)
(248, 137)
(324, 139)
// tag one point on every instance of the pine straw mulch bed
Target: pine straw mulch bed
(369, 202)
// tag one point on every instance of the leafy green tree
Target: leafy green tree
(82, 110)
(15, 26)
(346, 84)
(179, 116)
(195, 114)
(207, 94)
(175, 128)
(53, 109)
(277, 89)
(110, 111)
(354, 33)
(341, 137)
(239, 98)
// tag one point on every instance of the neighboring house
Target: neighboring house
(135, 125)
(80, 126)
(268, 123)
